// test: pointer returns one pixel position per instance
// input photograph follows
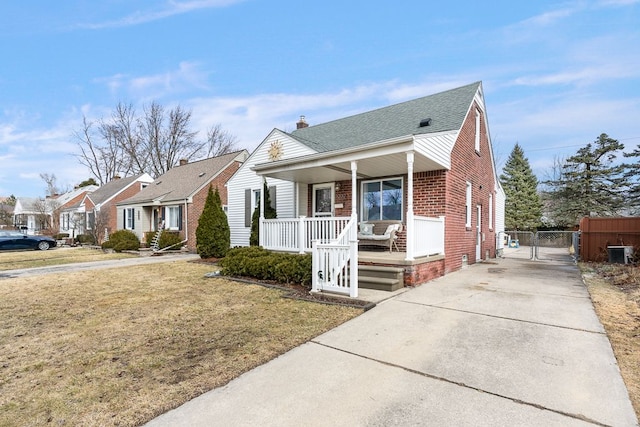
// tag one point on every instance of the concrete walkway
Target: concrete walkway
(511, 342)
(96, 265)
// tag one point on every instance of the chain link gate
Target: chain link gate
(518, 244)
(555, 245)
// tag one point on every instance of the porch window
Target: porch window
(382, 199)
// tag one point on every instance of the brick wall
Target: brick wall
(110, 207)
(467, 165)
(190, 221)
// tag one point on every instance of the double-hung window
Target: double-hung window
(129, 219)
(382, 199)
(174, 218)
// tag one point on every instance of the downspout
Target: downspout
(185, 218)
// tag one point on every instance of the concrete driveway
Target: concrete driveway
(511, 342)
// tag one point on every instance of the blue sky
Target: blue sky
(556, 74)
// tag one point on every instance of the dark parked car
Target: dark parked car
(13, 240)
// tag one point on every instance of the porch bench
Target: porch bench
(379, 233)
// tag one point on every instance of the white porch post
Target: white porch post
(302, 235)
(410, 224)
(261, 222)
(353, 238)
(354, 188)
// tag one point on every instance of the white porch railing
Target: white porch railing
(335, 264)
(297, 234)
(429, 236)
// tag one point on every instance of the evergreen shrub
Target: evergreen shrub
(122, 240)
(261, 264)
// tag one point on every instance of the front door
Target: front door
(478, 233)
(323, 197)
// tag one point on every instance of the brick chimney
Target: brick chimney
(302, 123)
(183, 162)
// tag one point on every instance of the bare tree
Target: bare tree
(52, 187)
(100, 153)
(155, 142)
(99, 225)
(220, 141)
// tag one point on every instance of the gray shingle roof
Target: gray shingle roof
(111, 188)
(182, 181)
(446, 110)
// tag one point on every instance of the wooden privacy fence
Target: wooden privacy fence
(596, 234)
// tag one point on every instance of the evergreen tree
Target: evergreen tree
(213, 237)
(523, 209)
(632, 175)
(269, 213)
(590, 183)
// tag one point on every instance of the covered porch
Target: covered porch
(339, 191)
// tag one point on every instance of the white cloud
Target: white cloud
(187, 76)
(170, 8)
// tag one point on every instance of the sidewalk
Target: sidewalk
(511, 342)
(95, 265)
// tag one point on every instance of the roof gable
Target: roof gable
(116, 186)
(181, 182)
(447, 111)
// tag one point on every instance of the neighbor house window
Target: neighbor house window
(129, 219)
(174, 218)
(91, 220)
(382, 199)
(468, 206)
(65, 221)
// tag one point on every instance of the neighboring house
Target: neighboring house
(34, 215)
(101, 216)
(426, 163)
(68, 212)
(176, 199)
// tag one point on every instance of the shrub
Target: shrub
(257, 262)
(122, 240)
(61, 236)
(213, 236)
(85, 239)
(169, 238)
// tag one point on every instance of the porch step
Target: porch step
(380, 278)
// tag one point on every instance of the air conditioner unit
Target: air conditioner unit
(620, 254)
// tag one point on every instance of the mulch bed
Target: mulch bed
(294, 290)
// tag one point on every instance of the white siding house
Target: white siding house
(245, 185)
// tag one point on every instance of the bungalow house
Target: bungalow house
(422, 172)
(31, 215)
(68, 214)
(99, 206)
(175, 200)
(35, 215)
